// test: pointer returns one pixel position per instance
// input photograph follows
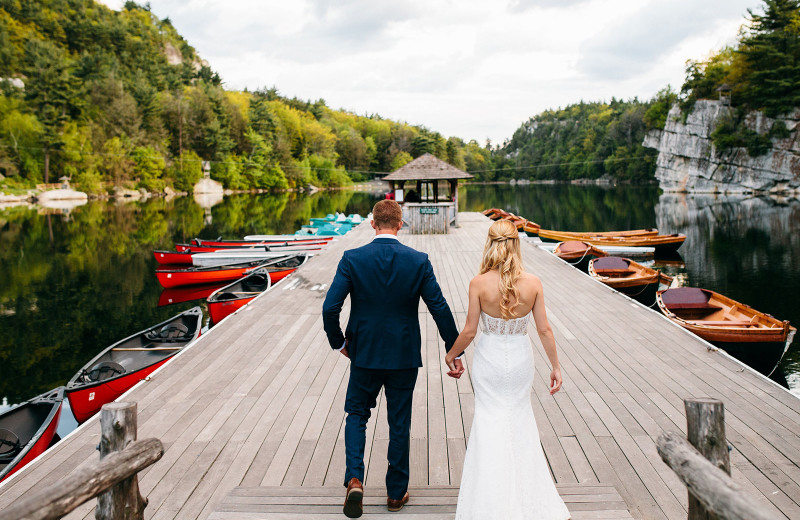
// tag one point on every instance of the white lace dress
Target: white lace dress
(505, 472)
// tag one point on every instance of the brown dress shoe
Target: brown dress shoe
(354, 500)
(397, 505)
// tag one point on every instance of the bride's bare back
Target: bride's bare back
(487, 287)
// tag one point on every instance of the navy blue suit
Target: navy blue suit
(385, 280)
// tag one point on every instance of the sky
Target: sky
(475, 69)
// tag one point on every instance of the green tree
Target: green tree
(259, 168)
(771, 50)
(53, 92)
(187, 171)
(149, 167)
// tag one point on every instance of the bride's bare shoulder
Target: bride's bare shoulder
(531, 280)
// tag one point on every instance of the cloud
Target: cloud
(469, 68)
(635, 42)
(524, 5)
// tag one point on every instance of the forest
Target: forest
(761, 72)
(582, 141)
(118, 98)
(604, 139)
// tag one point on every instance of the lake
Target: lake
(74, 283)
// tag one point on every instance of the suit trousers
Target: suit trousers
(362, 392)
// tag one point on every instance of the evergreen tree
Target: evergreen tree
(771, 51)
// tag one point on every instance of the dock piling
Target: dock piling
(702, 463)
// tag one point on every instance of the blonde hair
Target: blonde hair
(502, 252)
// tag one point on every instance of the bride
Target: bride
(505, 475)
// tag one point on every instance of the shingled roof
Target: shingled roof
(427, 167)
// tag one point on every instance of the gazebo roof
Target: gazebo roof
(427, 167)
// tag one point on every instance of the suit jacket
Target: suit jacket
(385, 280)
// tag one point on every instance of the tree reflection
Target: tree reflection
(63, 302)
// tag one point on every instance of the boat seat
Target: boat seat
(573, 246)
(9, 445)
(221, 297)
(610, 264)
(105, 370)
(256, 282)
(723, 323)
(686, 298)
(171, 332)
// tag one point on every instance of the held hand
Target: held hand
(345, 353)
(455, 365)
(555, 381)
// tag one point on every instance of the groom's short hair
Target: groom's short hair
(387, 214)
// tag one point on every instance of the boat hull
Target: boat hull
(663, 244)
(227, 300)
(282, 247)
(42, 438)
(755, 338)
(85, 402)
(173, 258)
(221, 310)
(186, 293)
(170, 279)
(136, 357)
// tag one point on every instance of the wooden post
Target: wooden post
(118, 430)
(58, 499)
(715, 489)
(705, 421)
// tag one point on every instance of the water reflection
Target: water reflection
(73, 284)
(744, 247)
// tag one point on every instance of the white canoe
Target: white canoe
(636, 252)
(238, 256)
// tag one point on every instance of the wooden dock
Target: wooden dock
(252, 415)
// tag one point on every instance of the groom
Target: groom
(385, 280)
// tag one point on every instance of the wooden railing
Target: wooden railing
(703, 463)
(113, 480)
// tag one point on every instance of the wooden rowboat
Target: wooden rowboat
(226, 300)
(663, 244)
(577, 253)
(533, 229)
(119, 367)
(27, 430)
(753, 337)
(626, 276)
(278, 268)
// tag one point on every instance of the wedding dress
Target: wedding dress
(505, 473)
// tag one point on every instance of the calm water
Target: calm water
(745, 248)
(73, 284)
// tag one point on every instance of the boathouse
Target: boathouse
(432, 207)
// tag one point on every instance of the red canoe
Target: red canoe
(228, 299)
(269, 246)
(289, 239)
(186, 293)
(27, 430)
(278, 270)
(119, 367)
(173, 258)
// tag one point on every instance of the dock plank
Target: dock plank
(259, 401)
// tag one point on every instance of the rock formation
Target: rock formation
(688, 161)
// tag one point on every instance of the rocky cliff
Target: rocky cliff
(688, 161)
